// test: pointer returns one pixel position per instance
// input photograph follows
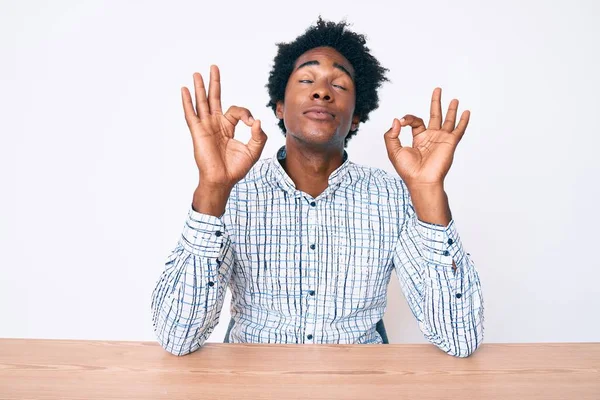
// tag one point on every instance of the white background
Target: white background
(97, 169)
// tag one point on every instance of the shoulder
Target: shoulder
(258, 178)
(377, 177)
(259, 171)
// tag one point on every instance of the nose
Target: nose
(321, 92)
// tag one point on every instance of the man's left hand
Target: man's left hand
(427, 162)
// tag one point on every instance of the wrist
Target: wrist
(211, 200)
(430, 187)
(430, 202)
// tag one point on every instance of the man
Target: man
(307, 240)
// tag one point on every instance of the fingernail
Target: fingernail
(402, 121)
(251, 120)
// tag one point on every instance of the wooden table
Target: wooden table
(61, 369)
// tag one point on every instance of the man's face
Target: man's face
(319, 98)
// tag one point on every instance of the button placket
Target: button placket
(310, 288)
(312, 239)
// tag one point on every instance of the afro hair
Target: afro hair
(369, 74)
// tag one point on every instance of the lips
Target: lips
(319, 114)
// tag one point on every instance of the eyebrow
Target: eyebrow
(336, 65)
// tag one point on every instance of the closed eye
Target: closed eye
(309, 81)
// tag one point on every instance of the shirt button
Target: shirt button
(313, 204)
(218, 233)
(309, 337)
(312, 292)
(458, 295)
(211, 284)
(312, 246)
(450, 241)
(446, 253)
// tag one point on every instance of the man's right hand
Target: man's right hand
(222, 160)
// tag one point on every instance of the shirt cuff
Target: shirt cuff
(441, 244)
(203, 234)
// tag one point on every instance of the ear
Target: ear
(355, 122)
(279, 110)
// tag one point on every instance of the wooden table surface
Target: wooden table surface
(63, 369)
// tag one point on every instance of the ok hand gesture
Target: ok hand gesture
(428, 161)
(222, 160)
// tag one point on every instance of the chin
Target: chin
(317, 133)
(317, 137)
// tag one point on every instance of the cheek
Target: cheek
(350, 105)
(302, 101)
(294, 102)
(350, 99)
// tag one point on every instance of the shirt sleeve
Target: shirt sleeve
(447, 303)
(188, 297)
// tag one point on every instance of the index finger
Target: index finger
(435, 121)
(235, 114)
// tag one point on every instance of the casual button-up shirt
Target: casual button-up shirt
(316, 270)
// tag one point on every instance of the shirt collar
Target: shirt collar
(284, 180)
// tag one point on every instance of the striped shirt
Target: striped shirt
(316, 270)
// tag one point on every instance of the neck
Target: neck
(310, 167)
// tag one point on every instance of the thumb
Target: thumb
(392, 138)
(257, 141)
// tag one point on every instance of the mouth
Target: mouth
(319, 114)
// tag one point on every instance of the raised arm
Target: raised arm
(189, 295)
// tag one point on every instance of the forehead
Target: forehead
(327, 56)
